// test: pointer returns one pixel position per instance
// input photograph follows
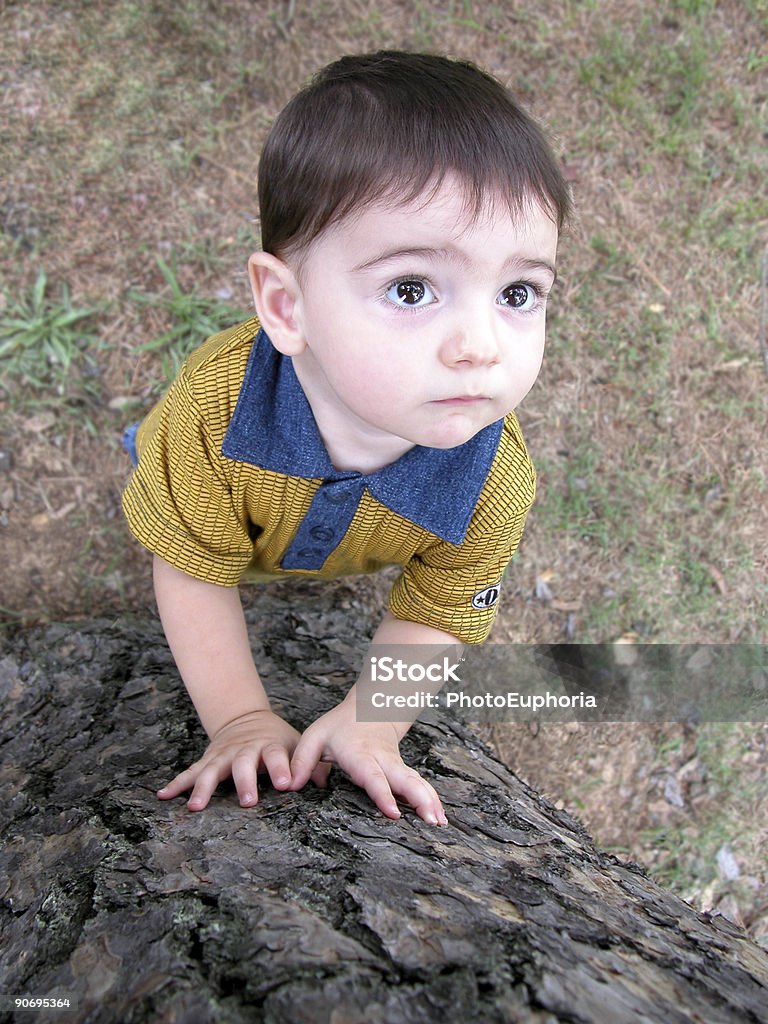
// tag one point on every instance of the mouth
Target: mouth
(462, 400)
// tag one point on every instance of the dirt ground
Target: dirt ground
(647, 425)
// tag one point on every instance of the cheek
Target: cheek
(376, 387)
(375, 364)
(532, 348)
(373, 382)
(524, 364)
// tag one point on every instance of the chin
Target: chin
(451, 438)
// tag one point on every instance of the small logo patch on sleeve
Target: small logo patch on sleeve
(488, 597)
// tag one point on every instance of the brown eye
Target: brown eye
(410, 291)
(518, 296)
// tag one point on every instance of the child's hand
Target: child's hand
(258, 740)
(368, 752)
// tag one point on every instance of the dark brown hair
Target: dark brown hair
(383, 127)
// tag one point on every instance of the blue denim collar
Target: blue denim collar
(273, 428)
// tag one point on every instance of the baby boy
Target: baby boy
(410, 213)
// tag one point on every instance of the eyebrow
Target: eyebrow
(429, 253)
(528, 264)
(423, 252)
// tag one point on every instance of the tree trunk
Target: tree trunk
(312, 907)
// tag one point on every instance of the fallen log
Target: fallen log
(311, 907)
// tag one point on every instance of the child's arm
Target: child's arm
(206, 632)
(369, 751)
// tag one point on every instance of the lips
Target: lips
(462, 400)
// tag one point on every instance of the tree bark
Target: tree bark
(312, 907)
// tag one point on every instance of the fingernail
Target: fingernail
(246, 798)
(431, 819)
(443, 820)
(282, 780)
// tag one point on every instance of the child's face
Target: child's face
(421, 326)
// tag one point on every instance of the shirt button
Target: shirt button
(310, 552)
(321, 533)
(338, 497)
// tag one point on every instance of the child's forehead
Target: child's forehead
(449, 206)
(446, 219)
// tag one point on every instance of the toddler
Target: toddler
(410, 213)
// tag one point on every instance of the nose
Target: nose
(471, 344)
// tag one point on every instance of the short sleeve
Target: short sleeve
(178, 501)
(456, 588)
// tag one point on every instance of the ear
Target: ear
(275, 295)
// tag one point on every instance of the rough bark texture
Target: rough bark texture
(312, 907)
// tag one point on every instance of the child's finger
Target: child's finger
(379, 791)
(275, 758)
(305, 759)
(371, 777)
(244, 777)
(417, 792)
(184, 780)
(320, 775)
(207, 781)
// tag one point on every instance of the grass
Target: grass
(47, 352)
(645, 527)
(660, 331)
(686, 850)
(654, 84)
(191, 316)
